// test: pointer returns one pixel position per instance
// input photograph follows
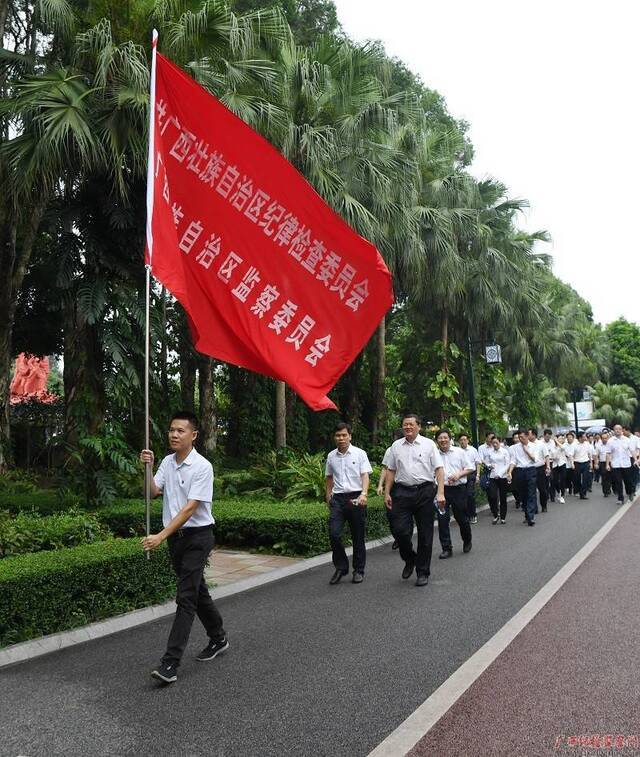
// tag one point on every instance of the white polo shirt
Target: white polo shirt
(582, 452)
(191, 479)
(520, 458)
(569, 450)
(347, 469)
(415, 462)
(619, 449)
(453, 461)
(499, 460)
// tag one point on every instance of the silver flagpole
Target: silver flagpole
(148, 468)
(148, 471)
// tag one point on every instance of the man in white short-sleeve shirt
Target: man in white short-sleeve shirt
(185, 480)
(619, 455)
(415, 476)
(346, 487)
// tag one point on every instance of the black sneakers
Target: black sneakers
(213, 649)
(165, 673)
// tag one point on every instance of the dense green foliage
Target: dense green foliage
(48, 592)
(34, 533)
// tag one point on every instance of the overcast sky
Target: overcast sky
(550, 90)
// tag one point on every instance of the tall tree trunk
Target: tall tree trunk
(379, 403)
(207, 397)
(444, 338)
(281, 415)
(351, 405)
(164, 378)
(16, 245)
(188, 367)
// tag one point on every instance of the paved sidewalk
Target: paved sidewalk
(568, 683)
(226, 566)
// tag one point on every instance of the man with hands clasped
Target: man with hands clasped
(499, 458)
(415, 476)
(346, 485)
(457, 467)
(185, 480)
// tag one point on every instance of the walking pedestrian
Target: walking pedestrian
(634, 449)
(499, 480)
(549, 446)
(601, 450)
(569, 449)
(513, 488)
(415, 475)
(346, 487)
(456, 470)
(542, 468)
(619, 464)
(582, 462)
(472, 457)
(522, 469)
(559, 467)
(484, 468)
(185, 480)
(397, 434)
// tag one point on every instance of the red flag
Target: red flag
(271, 278)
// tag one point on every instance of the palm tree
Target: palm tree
(616, 403)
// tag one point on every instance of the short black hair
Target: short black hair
(547, 431)
(444, 431)
(532, 430)
(522, 431)
(412, 415)
(187, 415)
(489, 433)
(342, 426)
(464, 433)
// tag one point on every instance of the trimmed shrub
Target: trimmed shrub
(48, 592)
(291, 528)
(31, 532)
(43, 501)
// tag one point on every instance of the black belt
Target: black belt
(182, 532)
(414, 487)
(347, 495)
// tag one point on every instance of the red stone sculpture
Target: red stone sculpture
(30, 380)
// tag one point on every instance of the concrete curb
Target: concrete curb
(27, 650)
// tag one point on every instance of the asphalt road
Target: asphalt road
(313, 669)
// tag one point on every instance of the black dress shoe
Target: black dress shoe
(395, 545)
(422, 580)
(335, 578)
(358, 578)
(585, 497)
(408, 570)
(446, 553)
(544, 509)
(531, 523)
(467, 547)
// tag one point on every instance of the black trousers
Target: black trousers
(456, 501)
(189, 549)
(582, 478)
(470, 487)
(559, 476)
(340, 511)
(605, 478)
(620, 476)
(525, 480)
(571, 481)
(542, 483)
(498, 488)
(409, 504)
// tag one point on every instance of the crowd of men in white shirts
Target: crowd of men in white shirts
(424, 480)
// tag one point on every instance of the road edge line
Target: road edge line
(419, 723)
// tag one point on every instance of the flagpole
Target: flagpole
(148, 469)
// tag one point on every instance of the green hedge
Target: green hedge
(48, 592)
(44, 501)
(291, 528)
(32, 532)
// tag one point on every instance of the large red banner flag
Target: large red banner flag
(272, 279)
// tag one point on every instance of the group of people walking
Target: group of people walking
(424, 481)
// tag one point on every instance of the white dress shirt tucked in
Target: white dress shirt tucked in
(541, 452)
(582, 452)
(191, 479)
(483, 449)
(558, 456)
(618, 448)
(601, 451)
(472, 456)
(415, 462)
(347, 469)
(519, 456)
(499, 460)
(455, 460)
